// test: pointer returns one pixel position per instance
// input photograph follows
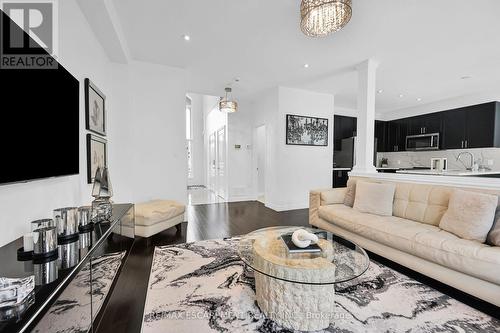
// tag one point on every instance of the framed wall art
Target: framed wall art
(97, 150)
(306, 131)
(95, 109)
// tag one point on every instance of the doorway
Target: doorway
(260, 155)
(221, 163)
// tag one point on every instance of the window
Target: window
(189, 125)
(189, 138)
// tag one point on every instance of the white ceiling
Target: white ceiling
(424, 46)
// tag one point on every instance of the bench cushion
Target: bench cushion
(156, 211)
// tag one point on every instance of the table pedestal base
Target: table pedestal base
(295, 306)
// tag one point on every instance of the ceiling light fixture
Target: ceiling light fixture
(419, 99)
(401, 95)
(187, 38)
(380, 91)
(227, 104)
(306, 65)
(321, 17)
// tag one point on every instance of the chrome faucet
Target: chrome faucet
(472, 160)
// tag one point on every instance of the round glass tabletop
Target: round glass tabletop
(333, 260)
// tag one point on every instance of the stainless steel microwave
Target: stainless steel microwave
(423, 142)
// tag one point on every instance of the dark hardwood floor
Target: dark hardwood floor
(124, 308)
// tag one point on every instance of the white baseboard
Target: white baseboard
(237, 198)
(287, 206)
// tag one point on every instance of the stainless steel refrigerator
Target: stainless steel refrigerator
(345, 158)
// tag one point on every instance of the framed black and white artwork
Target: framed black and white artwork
(306, 131)
(97, 151)
(95, 109)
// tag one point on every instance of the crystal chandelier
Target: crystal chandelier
(226, 104)
(322, 17)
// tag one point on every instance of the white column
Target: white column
(367, 71)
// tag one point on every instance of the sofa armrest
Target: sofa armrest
(324, 197)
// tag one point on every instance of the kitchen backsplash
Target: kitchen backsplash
(489, 157)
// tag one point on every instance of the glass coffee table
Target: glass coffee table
(297, 290)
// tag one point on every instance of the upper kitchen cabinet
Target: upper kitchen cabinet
(453, 134)
(475, 126)
(396, 134)
(425, 124)
(483, 126)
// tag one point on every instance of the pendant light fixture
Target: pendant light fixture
(319, 18)
(227, 104)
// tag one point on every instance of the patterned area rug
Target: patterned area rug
(205, 287)
(72, 310)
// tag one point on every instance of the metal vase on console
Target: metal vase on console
(45, 255)
(44, 241)
(85, 218)
(67, 222)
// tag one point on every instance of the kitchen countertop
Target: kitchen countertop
(449, 172)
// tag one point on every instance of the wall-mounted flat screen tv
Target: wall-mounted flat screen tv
(39, 136)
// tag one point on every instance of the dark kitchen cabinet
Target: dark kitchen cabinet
(424, 124)
(432, 123)
(476, 126)
(396, 134)
(482, 126)
(453, 134)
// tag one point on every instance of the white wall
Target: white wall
(301, 168)
(146, 145)
(158, 150)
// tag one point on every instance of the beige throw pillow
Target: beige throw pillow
(470, 215)
(494, 235)
(374, 198)
(350, 194)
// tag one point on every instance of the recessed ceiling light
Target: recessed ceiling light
(380, 91)
(466, 77)
(419, 99)
(306, 65)
(187, 38)
(401, 95)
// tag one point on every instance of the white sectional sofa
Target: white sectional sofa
(412, 237)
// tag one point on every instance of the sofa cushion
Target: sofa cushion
(470, 215)
(389, 230)
(467, 256)
(333, 196)
(152, 212)
(421, 203)
(350, 194)
(374, 198)
(494, 234)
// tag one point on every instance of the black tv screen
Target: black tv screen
(40, 133)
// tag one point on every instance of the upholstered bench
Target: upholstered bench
(155, 216)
